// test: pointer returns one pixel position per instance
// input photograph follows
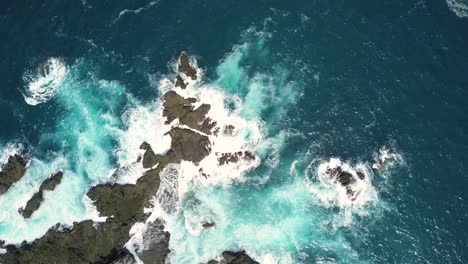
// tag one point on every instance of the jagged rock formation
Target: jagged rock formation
(226, 158)
(11, 172)
(123, 205)
(187, 69)
(230, 257)
(156, 244)
(343, 177)
(35, 202)
(178, 107)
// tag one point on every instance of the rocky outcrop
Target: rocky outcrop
(185, 67)
(226, 158)
(11, 172)
(178, 107)
(35, 202)
(231, 257)
(123, 205)
(343, 177)
(156, 244)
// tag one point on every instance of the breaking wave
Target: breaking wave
(43, 82)
(459, 7)
(342, 185)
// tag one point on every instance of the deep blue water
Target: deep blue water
(371, 73)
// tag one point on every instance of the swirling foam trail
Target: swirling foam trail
(43, 83)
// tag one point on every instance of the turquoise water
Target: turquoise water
(306, 81)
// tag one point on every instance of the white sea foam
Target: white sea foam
(459, 7)
(10, 149)
(177, 181)
(330, 192)
(43, 82)
(386, 157)
(134, 11)
(144, 124)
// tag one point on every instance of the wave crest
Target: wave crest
(43, 83)
(459, 7)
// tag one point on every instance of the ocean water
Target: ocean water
(309, 85)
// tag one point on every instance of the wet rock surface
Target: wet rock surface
(343, 177)
(208, 224)
(156, 244)
(11, 172)
(231, 257)
(35, 202)
(124, 257)
(178, 107)
(226, 158)
(186, 67)
(123, 205)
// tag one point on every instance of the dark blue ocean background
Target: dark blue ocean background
(373, 73)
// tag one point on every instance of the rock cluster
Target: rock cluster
(230, 257)
(234, 157)
(346, 179)
(123, 205)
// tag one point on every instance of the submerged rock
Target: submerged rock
(208, 224)
(234, 157)
(11, 172)
(231, 257)
(35, 202)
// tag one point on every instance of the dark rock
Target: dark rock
(176, 106)
(156, 242)
(185, 66)
(229, 130)
(180, 82)
(234, 157)
(35, 202)
(149, 158)
(231, 257)
(208, 224)
(343, 177)
(203, 173)
(189, 145)
(118, 256)
(123, 205)
(123, 257)
(360, 175)
(11, 172)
